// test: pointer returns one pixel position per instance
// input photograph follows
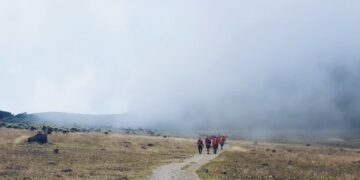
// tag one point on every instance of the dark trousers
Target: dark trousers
(200, 148)
(208, 149)
(215, 147)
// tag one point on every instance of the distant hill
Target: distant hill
(72, 122)
(70, 119)
(84, 120)
(5, 114)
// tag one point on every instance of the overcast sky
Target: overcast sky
(241, 59)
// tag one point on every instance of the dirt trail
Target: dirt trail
(20, 139)
(184, 170)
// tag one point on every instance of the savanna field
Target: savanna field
(87, 156)
(118, 156)
(248, 160)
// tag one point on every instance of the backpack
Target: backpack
(214, 141)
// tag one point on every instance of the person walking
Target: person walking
(215, 144)
(208, 144)
(222, 141)
(200, 145)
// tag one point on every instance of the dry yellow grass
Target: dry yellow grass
(287, 162)
(87, 156)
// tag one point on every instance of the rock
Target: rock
(264, 164)
(67, 170)
(40, 138)
(274, 151)
(122, 178)
(150, 145)
(206, 170)
(223, 172)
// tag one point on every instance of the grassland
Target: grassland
(283, 161)
(87, 156)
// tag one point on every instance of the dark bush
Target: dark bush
(74, 130)
(33, 128)
(65, 131)
(49, 130)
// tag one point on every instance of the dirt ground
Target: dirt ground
(87, 156)
(246, 160)
(185, 170)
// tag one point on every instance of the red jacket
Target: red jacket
(215, 141)
(221, 139)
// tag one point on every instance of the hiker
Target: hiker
(208, 144)
(215, 143)
(200, 145)
(222, 141)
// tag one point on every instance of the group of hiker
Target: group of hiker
(211, 142)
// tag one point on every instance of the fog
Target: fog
(185, 64)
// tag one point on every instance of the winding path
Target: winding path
(184, 170)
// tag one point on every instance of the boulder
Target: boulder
(40, 138)
(67, 170)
